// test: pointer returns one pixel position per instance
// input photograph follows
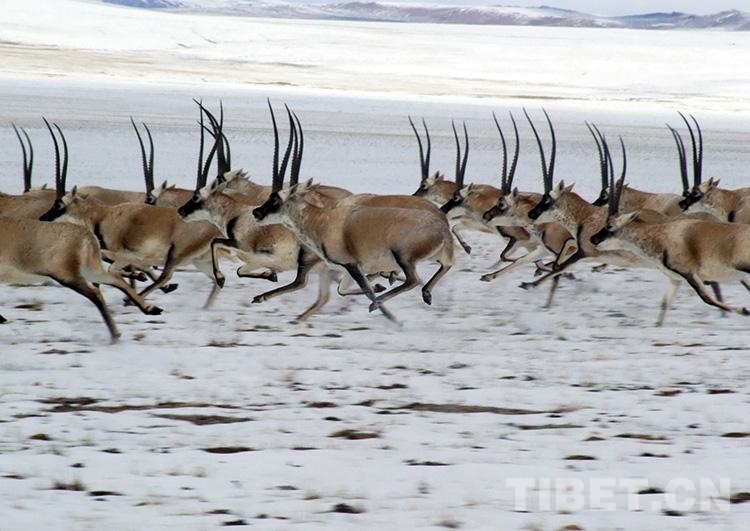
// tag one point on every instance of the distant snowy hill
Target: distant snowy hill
(447, 14)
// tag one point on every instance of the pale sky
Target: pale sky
(597, 7)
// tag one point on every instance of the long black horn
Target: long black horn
(696, 164)
(424, 163)
(290, 145)
(276, 183)
(553, 152)
(516, 151)
(461, 163)
(504, 168)
(27, 164)
(683, 159)
(147, 162)
(203, 167)
(547, 183)
(64, 171)
(602, 162)
(297, 158)
(59, 187)
(620, 183)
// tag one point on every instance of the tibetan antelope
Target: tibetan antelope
(136, 234)
(69, 254)
(732, 206)
(360, 239)
(696, 251)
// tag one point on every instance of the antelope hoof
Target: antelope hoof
(169, 288)
(153, 310)
(258, 299)
(427, 297)
(485, 278)
(373, 307)
(220, 279)
(744, 311)
(467, 248)
(272, 276)
(140, 276)
(526, 285)
(115, 338)
(379, 288)
(3, 319)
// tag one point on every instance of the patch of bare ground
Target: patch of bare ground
(74, 404)
(355, 435)
(467, 408)
(415, 462)
(641, 436)
(546, 426)
(346, 509)
(73, 485)
(205, 420)
(740, 497)
(737, 434)
(228, 449)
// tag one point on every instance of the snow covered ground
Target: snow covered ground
(234, 416)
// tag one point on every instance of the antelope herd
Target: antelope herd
(363, 242)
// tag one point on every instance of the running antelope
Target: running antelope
(699, 252)
(361, 239)
(136, 234)
(33, 251)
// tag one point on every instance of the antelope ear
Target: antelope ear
(74, 191)
(164, 185)
(715, 182)
(629, 217)
(438, 176)
(569, 187)
(514, 192)
(314, 200)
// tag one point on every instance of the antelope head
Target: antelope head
(282, 199)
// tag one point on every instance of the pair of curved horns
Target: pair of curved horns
(461, 163)
(697, 150)
(547, 171)
(294, 148)
(607, 169)
(148, 162)
(506, 175)
(424, 159)
(28, 161)
(61, 171)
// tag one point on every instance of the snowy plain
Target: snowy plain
(200, 419)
